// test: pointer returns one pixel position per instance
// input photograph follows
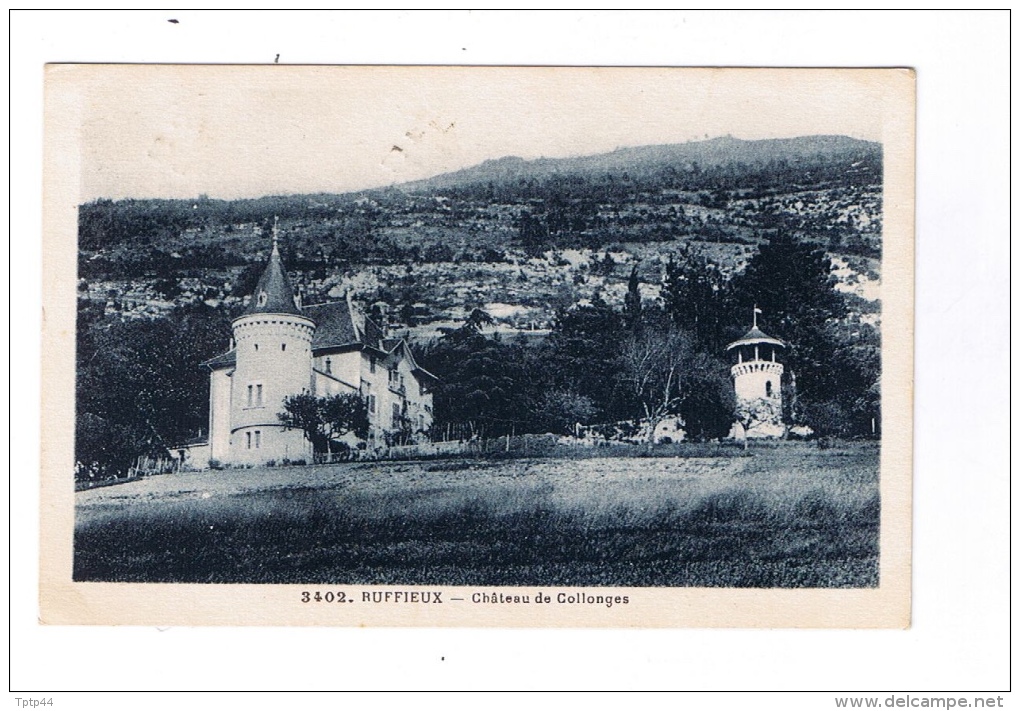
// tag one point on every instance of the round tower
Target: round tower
(757, 380)
(273, 344)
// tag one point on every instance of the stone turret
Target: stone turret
(757, 374)
(273, 346)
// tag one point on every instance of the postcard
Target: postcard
(477, 346)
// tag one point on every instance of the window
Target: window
(395, 421)
(329, 365)
(258, 438)
(283, 346)
(258, 394)
(768, 388)
(371, 364)
(248, 435)
(256, 346)
(371, 404)
(393, 376)
(250, 388)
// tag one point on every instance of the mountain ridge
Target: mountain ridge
(697, 155)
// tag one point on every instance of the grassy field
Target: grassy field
(786, 516)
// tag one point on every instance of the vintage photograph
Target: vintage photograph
(486, 330)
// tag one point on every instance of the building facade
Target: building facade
(280, 349)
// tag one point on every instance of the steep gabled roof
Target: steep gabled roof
(373, 335)
(338, 324)
(334, 325)
(392, 345)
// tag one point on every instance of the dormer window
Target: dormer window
(263, 298)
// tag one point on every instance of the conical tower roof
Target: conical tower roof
(274, 294)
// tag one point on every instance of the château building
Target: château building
(280, 349)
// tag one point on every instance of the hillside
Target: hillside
(520, 238)
(553, 258)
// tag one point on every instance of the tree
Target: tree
(533, 233)
(708, 408)
(558, 411)
(752, 413)
(169, 288)
(632, 302)
(583, 356)
(480, 385)
(103, 449)
(654, 361)
(792, 283)
(324, 420)
(142, 380)
(478, 319)
(832, 358)
(692, 294)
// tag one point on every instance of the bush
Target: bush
(827, 419)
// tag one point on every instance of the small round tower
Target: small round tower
(757, 374)
(273, 344)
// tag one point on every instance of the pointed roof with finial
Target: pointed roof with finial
(755, 335)
(274, 294)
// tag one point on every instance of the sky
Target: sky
(247, 131)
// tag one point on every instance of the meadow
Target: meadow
(785, 515)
